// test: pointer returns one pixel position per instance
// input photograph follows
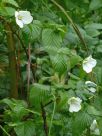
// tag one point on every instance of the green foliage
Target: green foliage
(51, 39)
(12, 2)
(39, 94)
(82, 119)
(49, 53)
(25, 129)
(17, 109)
(95, 4)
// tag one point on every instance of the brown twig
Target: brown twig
(44, 119)
(73, 24)
(27, 55)
(23, 46)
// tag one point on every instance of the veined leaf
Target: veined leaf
(51, 39)
(35, 29)
(82, 119)
(39, 94)
(7, 11)
(26, 128)
(95, 4)
(59, 63)
(74, 60)
(12, 2)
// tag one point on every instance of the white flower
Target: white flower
(94, 128)
(91, 86)
(75, 104)
(88, 64)
(23, 17)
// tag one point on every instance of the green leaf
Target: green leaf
(98, 71)
(8, 102)
(26, 128)
(82, 119)
(35, 29)
(17, 108)
(93, 29)
(26, 34)
(95, 4)
(51, 39)
(74, 60)
(12, 2)
(62, 103)
(7, 11)
(59, 63)
(94, 26)
(93, 111)
(31, 32)
(39, 94)
(99, 122)
(92, 32)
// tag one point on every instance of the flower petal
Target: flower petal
(75, 104)
(87, 67)
(89, 83)
(94, 128)
(26, 17)
(93, 62)
(74, 107)
(16, 13)
(20, 23)
(88, 64)
(91, 89)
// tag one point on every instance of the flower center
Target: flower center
(20, 17)
(73, 101)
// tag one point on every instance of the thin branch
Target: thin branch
(44, 119)
(27, 55)
(23, 46)
(28, 71)
(52, 116)
(48, 103)
(73, 24)
(4, 131)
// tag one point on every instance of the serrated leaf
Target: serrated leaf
(7, 11)
(95, 4)
(51, 39)
(26, 34)
(94, 26)
(35, 29)
(26, 128)
(92, 32)
(59, 63)
(39, 94)
(82, 119)
(74, 60)
(12, 2)
(93, 111)
(99, 122)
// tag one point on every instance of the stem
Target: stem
(48, 103)
(73, 25)
(88, 132)
(52, 116)
(34, 112)
(27, 55)
(28, 72)
(4, 131)
(12, 62)
(44, 119)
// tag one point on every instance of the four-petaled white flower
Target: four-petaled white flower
(75, 104)
(94, 128)
(88, 64)
(23, 17)
(91, 86)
